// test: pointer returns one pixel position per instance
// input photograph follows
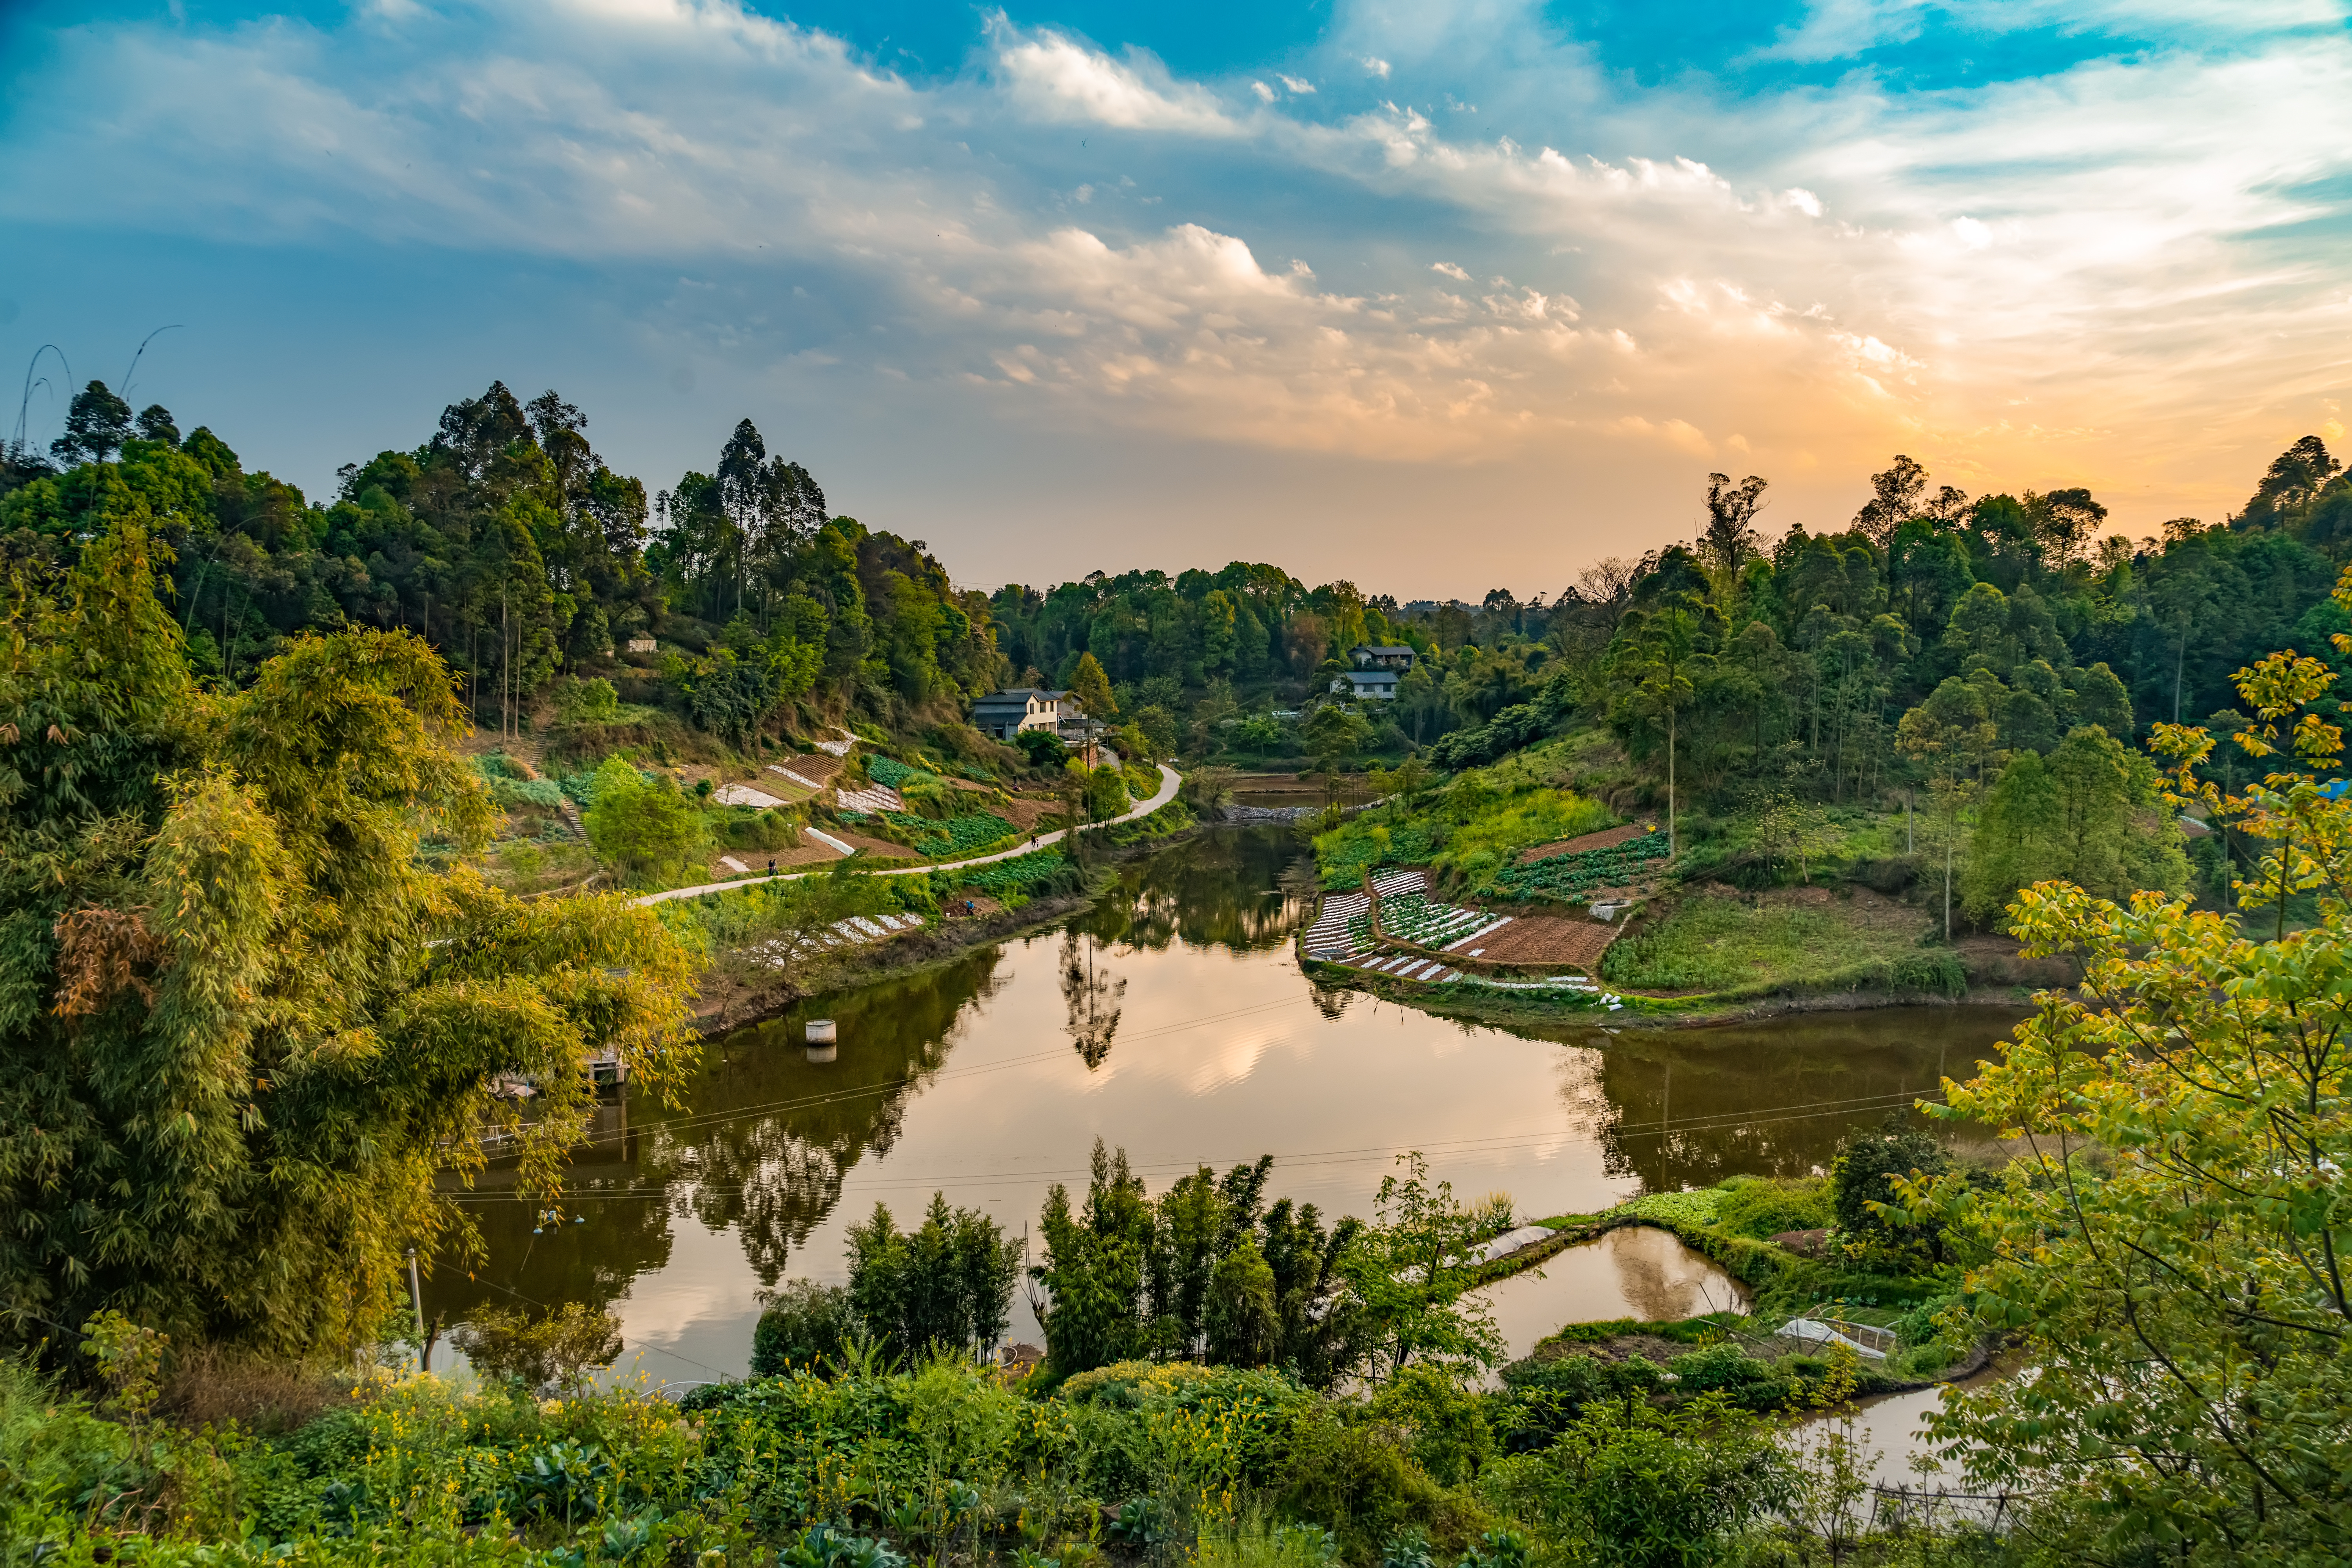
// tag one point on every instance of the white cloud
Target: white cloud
(1055, 78)
(2074, 272)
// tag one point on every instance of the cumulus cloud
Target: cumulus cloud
(2065, 271)
(1055, 78)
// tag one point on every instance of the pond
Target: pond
(1637, 1272)
(1170, 1020)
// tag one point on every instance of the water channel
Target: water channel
(1173, 1020)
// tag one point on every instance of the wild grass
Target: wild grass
(1712, 944)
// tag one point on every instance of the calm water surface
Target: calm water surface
(1173, 1021)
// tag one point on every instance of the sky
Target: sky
(1437, 297)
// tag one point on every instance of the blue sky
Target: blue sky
(1439, 297)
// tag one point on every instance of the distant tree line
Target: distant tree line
(507, 543)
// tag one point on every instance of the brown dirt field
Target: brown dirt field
(880, 848)
(807, 852)
(1025, 811)
(1601, 840)
(1545, 938)
(982, 906)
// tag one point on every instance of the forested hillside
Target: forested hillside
(1787, 664)
(508, 543)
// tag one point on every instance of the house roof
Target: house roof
(1382, 647)
(1371, 674)
(1016, 697)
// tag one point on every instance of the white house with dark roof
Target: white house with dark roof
(1376, 684)
(1396, 656)
(1001, 715)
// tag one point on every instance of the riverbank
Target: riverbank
(1533, 1005)
(944, 936)
(1738, 956)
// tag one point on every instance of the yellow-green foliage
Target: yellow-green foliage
(1470, 829)
(1487, 842)
(1761, 1207)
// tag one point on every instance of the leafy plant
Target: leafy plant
(1140, 1522)
(563, 1480)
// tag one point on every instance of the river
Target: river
(1173, 1021)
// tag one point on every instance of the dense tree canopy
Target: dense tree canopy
(245, 1019)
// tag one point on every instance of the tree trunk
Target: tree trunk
(1670, 784)
(1951, 828)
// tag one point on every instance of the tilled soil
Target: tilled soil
(1545, 940)
(1606, 838)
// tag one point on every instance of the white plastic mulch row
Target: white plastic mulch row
(872, 799)
(1407, 966)
(856, 929)
(838, 748)
(1394, 883)
(1334, 929)
(1424, 923)
(743, 794)
(1510, 1241)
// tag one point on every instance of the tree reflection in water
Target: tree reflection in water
(1230, 1046)
(1091, 993)
(770, 1167)
(1688, 1107)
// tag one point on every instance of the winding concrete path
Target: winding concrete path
(1169, 781)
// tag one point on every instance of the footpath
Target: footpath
(1169, 781)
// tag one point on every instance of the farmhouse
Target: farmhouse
(1372, 683)
(1001, 715)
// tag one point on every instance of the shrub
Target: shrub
(1718, 1366)
(587, 702)
(1935, 972)
(1452, 1438)
(1761, 1209)
(648, 831)
(803, 1324)
(1859, 1179)
(1044, 749)
(1106, 792)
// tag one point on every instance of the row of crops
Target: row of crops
(1567, 876)
(956, 836)
(1420, 921)
(1025, 876)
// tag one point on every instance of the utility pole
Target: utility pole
(416, 1299)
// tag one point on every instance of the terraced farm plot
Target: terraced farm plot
(1425, 923)
(1342, 930)
(1572, 873)
(1549, 940)
(957, 837)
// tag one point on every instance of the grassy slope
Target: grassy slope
(1720, 944)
